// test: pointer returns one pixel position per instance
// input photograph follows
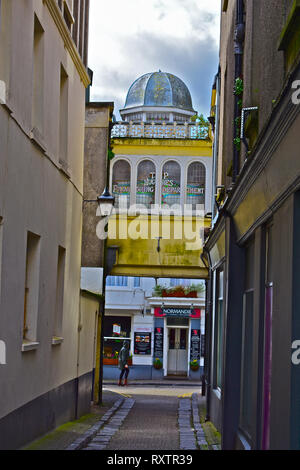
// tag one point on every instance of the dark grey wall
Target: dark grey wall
(45, 413)
(281, 326)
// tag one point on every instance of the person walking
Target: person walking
(123, 362)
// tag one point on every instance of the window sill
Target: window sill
(57, 340)
(29, 345)
(63, 167)
(37, 138)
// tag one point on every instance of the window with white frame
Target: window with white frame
(136, 282)
(121, 184)
(196, 179)
(116, 281)
(145, 189)
(171, 185)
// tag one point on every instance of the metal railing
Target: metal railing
(160, 130)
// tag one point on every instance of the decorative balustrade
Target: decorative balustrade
(160, 130)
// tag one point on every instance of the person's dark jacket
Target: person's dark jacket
(124, 355)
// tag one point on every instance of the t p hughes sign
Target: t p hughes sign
(177, 312)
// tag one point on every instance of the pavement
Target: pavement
(141, 416)
(159, 382)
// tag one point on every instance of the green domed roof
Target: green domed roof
(159, 89)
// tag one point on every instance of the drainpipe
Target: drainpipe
(216, 143)
(239, 36)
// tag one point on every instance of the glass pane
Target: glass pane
(172, 338)
(121, 183)
(180, 282)
(116, 281)
(183, 339)
(118, 328)
(145, 191)
(171, 184)
(196, 184)
(137, 282)
(178, 321)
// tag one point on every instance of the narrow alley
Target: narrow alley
(152, 418)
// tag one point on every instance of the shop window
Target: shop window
(219, 329)
(145, 191)
(196, 180)
(247, 346)
(116, 281)
(171, 184)
(117, 329)
(121, 184)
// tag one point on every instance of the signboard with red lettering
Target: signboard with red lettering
(177, 312)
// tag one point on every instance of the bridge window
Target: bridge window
(145, 191)
(196, 179)
(116, 281)
(121, 184)
(171, 184)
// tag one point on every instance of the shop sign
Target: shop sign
(177, 312)
(158, 342)
(142, 343)
(195, 345)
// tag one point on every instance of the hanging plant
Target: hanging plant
(237, 143)
(239, 87)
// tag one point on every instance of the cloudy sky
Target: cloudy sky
(133, 37)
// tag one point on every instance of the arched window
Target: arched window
(121, 183)
(170, 193)
(196, 184)
(145, 189)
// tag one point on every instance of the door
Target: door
(177, 353)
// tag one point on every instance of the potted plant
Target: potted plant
(194, 365)
(157, 364)
(191, 291)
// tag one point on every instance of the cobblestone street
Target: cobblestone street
(150, 418)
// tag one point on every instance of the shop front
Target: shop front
(117, 329)
(179, 339)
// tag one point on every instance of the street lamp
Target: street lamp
(106, 202)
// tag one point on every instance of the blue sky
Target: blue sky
(134, 37)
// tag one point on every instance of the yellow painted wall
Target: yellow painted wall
(180, 246)
(172, 147)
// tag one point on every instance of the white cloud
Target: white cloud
(118, 52)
